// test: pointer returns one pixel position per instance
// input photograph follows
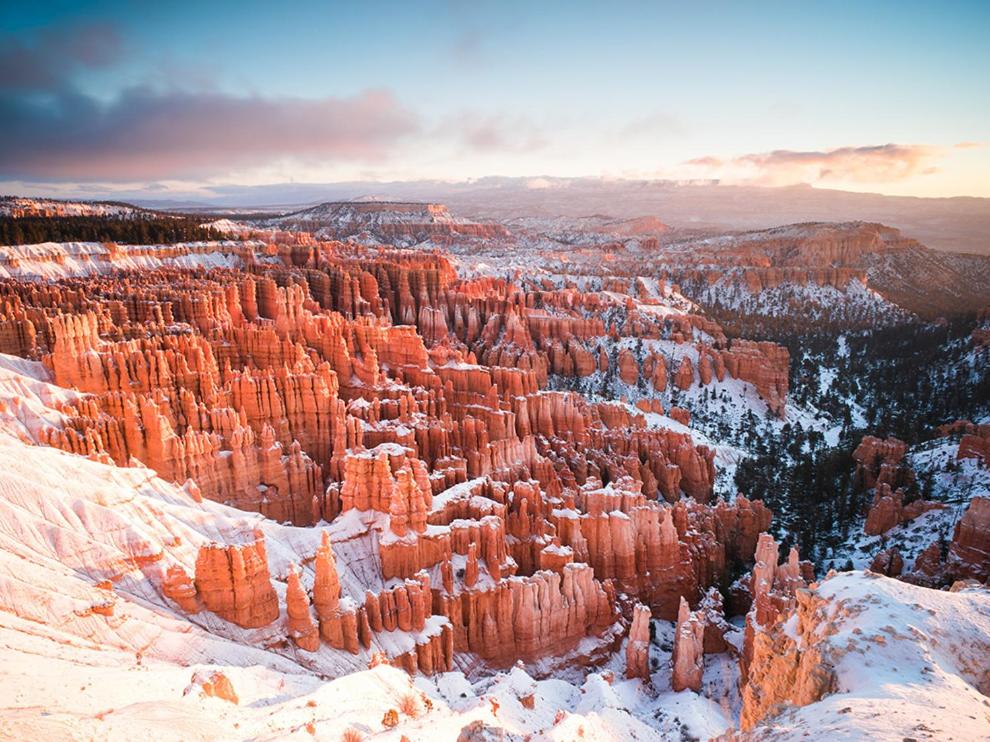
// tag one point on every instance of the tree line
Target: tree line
(165, 229)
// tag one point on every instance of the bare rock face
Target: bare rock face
(628, 368)
(888, 510)
(888, 563)
(688, 655)
(233, 582)
(787, 667)
(879, 462)
(763, 364)
(773, 588)
(685, 374)
(885, 512)
(975, 443)
(530, 617)
(302, 630)
(178, 587)
(214, 685)
(638, 645)
(969, 552)
(326, 587)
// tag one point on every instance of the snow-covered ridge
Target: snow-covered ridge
(17, 207)
(906, 662)
(52, 260)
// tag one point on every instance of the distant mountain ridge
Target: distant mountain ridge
(398, 222)
(956, 224)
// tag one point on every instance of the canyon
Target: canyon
(368, 468)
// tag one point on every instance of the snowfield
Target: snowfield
(910, 663)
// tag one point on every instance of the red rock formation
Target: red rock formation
(628, 368)
(326, 585)
(888, 510)
(179, 588)
(772, 588)
(976, 444)
(325, 378)
(716, 627)
(888, 563)
(638, 645)
(233, 582)
(787, 666)
(765, 365)
(299, 623)
(969, 553)
(685, 374)
(879, 462)
(214, 685)
(530, 617)
(687, 659)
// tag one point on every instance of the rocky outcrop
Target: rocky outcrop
(888, 510)
(888, 563)
(765, 365)
(773, 588)
(975, 444)
(684, 377)
(787, 665)
(299, 622)
(638, 644)
(529, 617)
(179, 588)
(688, 655)
(969, 552)
(233, 582)
(878, 462)
(212, 685)
(717, 629)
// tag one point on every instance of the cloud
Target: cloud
(50, 129)
(55, 55)
(708, 161)
(147, 134)
(882, 163)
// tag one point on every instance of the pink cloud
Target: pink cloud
(145, 134)
(869, 164)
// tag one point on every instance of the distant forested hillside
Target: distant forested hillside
(30, 230)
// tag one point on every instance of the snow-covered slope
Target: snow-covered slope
(908, 663)
(52, 260)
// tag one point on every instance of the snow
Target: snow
(53, 260)
(43, 206)
(909, 664)
(954, 483)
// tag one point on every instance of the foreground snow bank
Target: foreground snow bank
(898, 661)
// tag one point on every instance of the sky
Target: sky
(173, 98)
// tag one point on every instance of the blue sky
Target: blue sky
(887, 97)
